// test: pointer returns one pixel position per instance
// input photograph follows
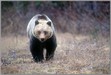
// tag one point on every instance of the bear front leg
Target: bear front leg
(36, 51)
(49, 54)
(38, 57)
(50, 50)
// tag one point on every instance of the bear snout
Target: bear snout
(42, 39)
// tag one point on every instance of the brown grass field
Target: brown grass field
(75, 54)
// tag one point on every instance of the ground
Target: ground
(75, 54)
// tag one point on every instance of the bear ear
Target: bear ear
(49, 23)
(36, 22)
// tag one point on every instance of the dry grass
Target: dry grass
(75, 54)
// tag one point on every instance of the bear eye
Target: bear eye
(45, 32)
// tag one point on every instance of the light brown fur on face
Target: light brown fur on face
(42, 30)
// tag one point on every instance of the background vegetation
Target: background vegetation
(84, 24)
(66, 15)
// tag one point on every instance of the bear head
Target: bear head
(42, 29)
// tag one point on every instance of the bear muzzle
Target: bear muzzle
(42, 39)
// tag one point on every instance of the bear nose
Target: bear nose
(42, 39)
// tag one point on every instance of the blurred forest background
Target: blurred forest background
(84, 24)
(67, 16)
